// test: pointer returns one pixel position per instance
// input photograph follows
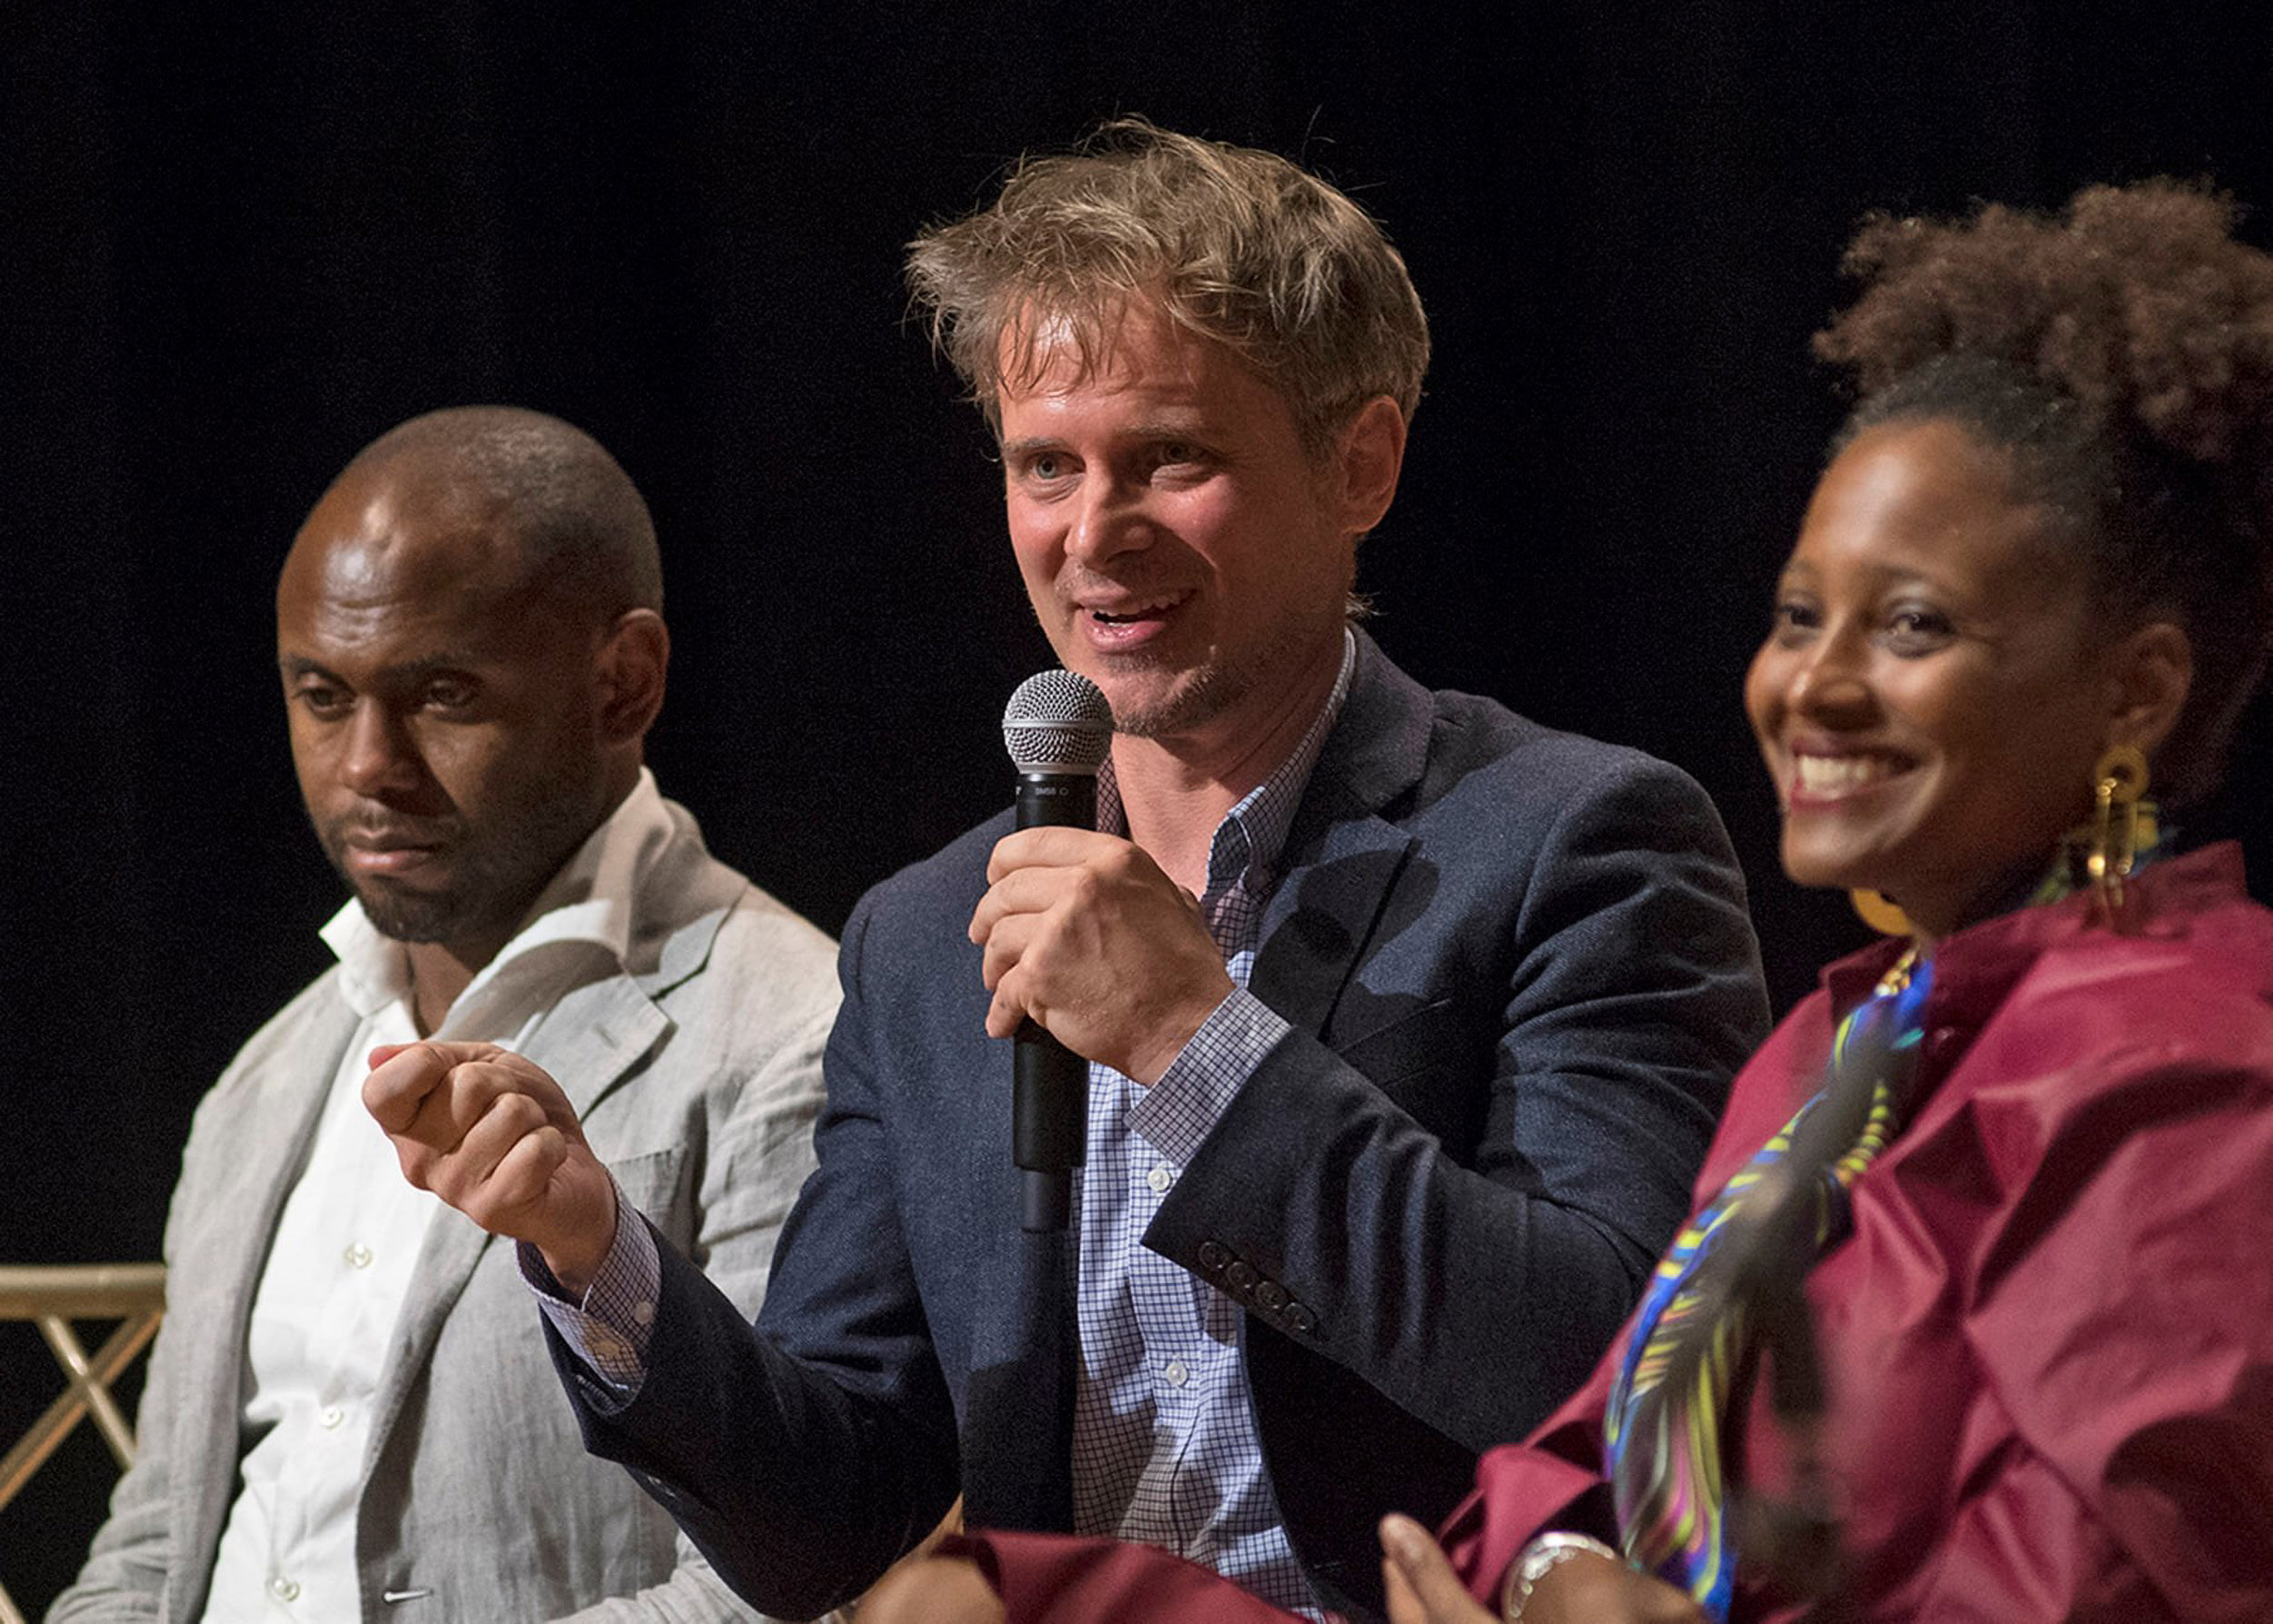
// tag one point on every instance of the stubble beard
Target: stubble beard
(493, 881)
(1196, 696)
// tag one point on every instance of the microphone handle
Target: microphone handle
(1049, 1100)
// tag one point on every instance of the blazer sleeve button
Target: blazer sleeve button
(1213, 1254)
(1298, 1317)
(1272, 1295)
(1242, 1275)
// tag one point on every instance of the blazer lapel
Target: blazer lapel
(267, 1133)
(1342, 856)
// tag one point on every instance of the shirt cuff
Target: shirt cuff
(607, 1330)
(1177, 1113)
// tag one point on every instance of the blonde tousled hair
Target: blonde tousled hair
(1238, 245)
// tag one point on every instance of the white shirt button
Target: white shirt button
(358, 1255)
(330, 1417)
(1160, 1178)
(1177, 1373)
(643, 1313)
(607, 1346)
(283, 1589)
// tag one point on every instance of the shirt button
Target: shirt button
(643, 1313)
(331, 1417)
(607, 1346)
(358, 1255)
(1160, 1178)
(1177, 1373)
(283, 1589)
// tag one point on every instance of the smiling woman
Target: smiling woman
(2036, 564)
(1938, 685)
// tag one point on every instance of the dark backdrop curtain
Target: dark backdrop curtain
(243, 240)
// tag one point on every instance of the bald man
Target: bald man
(347, 1414)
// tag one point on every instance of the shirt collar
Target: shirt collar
(589, 901)
(1252, 837)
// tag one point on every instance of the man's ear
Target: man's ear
(1369, 455)
(2149, 676)
(628, 667)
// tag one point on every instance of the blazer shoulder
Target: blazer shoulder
(313, 1014)
(1472, 735)
(945, 885)
(762, 929)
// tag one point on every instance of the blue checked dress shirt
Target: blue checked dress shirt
(1164, 1450)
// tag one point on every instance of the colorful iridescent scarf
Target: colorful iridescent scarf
(1691, 1335)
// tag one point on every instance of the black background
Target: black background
(242, 241)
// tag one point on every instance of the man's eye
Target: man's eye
(447, 695)
(1046, 464)
(321, 701)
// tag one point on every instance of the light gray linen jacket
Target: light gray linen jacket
(696, 1075)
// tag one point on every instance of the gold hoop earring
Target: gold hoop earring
(2118, 778)
(1882, 913)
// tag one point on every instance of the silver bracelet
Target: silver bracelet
(1546, 1553)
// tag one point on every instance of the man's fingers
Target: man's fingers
(1023, 891)
(522, 1175)
(1047, 848)
(1008, 1013)
(1005, 946)
(400, 1083)
(450, 1054)
(403, 1074)
(486, 1142)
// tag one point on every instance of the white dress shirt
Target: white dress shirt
(347, 1242)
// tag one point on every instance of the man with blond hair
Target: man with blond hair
(1407, 1018)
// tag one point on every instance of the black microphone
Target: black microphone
(1058, 729)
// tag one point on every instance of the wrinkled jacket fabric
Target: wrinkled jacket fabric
(2050, 1335)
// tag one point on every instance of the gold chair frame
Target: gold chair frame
(53, 1296)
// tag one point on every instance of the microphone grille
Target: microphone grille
(1057, 721)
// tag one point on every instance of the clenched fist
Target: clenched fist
(493, 1137)
(1086, 937)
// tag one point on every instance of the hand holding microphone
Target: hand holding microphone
(1092, 952)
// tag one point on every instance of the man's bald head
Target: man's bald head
(585, 539)
(467, 632)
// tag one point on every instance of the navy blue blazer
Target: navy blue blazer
(1520, 976)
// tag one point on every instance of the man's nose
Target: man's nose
(379, 755)
(1108, 519)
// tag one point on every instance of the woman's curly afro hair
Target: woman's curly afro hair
(2122, 351)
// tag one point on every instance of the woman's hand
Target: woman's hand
(1582, 1589)
(1423, 1588)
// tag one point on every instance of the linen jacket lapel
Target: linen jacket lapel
(273, 1121)
(589, 1041)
